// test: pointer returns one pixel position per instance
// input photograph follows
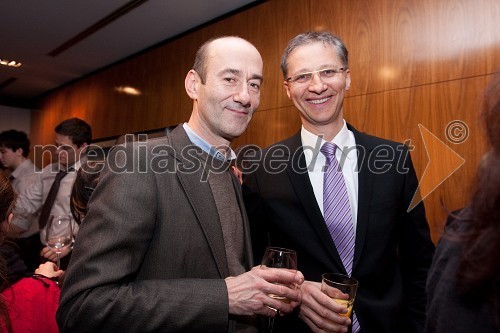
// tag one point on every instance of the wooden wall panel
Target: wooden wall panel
(412, 62)
(275, 22)
(395, 44)
(397, 114)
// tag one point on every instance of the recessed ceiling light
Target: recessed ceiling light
(128, 90)
(10, 63)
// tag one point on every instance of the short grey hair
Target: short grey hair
(313, 37)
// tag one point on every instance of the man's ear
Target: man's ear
(348, 80)
(191, 84)
(287, 88)
(19, 151)
(83, 148)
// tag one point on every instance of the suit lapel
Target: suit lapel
(299, 177)
(365, 189)
(200, 196)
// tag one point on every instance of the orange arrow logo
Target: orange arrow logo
(443, 162)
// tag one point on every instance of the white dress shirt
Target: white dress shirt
(347, 156)
(31, 200)
(24, 177)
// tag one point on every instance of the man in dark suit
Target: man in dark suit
(288, 198)
(165, 245)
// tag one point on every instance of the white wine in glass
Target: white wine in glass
(340, 288)
(277, 257)
(59, 234)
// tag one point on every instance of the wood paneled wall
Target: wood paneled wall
(413, 62)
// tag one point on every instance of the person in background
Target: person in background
(323, 193)
(50, 194)
(464, 280)
(86, 180)
(14, 151)
(165, 245)
(83, 187)
(27, 304)
(5, 171)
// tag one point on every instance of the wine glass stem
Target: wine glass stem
(58, 260)
(270, 325)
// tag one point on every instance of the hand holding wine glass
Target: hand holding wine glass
(49, 270)
(58, 235)
(340, 288)
(276, 257)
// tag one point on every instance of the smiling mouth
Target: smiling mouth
(318, 101)
(238, 111)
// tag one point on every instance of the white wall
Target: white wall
(15, 118)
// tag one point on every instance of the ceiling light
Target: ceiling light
(128, 90)
(10, 63)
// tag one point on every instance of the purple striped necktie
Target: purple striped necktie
(337, 212)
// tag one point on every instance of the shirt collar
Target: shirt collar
(205, 146)
(77, 165)
(24, 164)
(315, 142)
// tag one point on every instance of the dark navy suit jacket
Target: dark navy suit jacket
(393, 248)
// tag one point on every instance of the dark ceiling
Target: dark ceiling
(60, 41)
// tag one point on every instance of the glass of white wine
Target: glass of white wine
(59, 234)
(341, 288)
(277, 257)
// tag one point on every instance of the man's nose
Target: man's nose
(317, 85)
(242, 96)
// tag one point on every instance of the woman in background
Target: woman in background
(27, 304)
(463, 281)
